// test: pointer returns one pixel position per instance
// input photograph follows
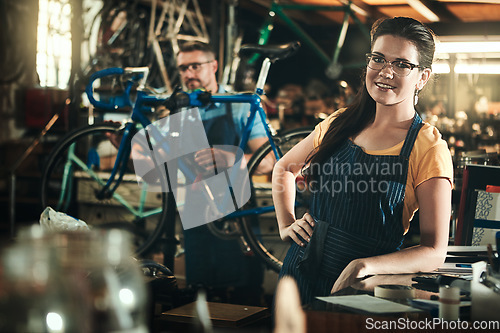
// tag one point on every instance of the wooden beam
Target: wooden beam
(440, 9)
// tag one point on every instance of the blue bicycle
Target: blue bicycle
(89, 177)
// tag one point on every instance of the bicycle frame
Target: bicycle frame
(138, 115)
(277, 9)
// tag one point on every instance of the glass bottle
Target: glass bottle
(35, 297)
(84, 282)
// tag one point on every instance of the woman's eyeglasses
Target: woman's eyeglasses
(194, 66)
(399, 67)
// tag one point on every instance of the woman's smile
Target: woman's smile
(384, 86)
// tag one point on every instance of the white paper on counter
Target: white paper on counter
(367, 303)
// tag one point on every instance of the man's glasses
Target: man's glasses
(194, 66)
(399, 67)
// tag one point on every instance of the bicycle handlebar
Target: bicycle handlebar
(177, 100)
(200, 97)
(180, 99)
(89, 89)
(124, 99)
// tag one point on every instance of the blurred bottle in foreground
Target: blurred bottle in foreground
(80, 281)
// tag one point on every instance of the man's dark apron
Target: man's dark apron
(211, 261)
(358, 205)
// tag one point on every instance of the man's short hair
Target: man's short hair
(192, 46)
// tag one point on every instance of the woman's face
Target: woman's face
(383, 85)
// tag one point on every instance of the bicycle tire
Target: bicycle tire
(154, 269)
(261, 231)
(80, 195)
(225, 229)
(125, 46)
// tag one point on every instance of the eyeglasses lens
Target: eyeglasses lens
(399, 68)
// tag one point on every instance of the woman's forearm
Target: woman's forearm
(284, 173)
(415, 259)
(283, 191)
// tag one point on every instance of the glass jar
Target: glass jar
(112, 284)
(75, 282)
(36, 297)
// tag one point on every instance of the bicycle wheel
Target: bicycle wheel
(152, 268)
(75, 174)
(261, 231)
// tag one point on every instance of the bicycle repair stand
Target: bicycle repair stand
(169, 248)
(167, 240)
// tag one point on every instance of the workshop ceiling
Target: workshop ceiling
(427, 11)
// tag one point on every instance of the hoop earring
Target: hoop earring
(415, 98)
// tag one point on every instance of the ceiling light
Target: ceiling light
(355, 8)
(468, 47)
(443, 68)
(423, 10)
(477, 68)
(440, 68)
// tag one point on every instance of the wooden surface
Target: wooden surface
(320, 316)
(319, 322)
(221, 314)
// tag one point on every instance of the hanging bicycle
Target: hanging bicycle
(132, 34)
(332, 63)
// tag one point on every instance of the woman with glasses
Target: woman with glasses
(369, 167)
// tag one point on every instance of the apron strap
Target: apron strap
(411, 136)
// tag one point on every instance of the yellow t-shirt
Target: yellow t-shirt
(429, 158)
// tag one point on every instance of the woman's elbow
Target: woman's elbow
(439, 258)
(279, 170)
(279, 167)
(434, 259)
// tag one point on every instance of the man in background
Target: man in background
(216, 264)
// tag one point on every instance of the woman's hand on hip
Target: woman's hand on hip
(302, 227)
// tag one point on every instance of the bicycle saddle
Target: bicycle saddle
(273, 52)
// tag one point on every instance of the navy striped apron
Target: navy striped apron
(357, 202)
